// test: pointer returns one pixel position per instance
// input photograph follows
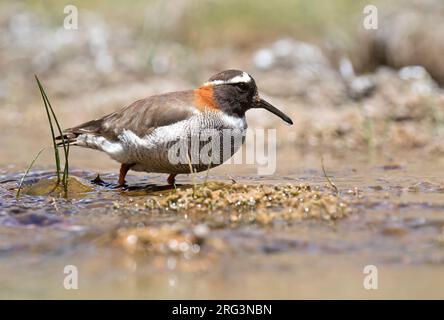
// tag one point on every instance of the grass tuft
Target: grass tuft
(27, 172)
(331, 183)
(52, 117)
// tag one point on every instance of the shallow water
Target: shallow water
(124, 247)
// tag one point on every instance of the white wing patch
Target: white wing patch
(244, 78)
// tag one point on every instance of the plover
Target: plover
(141, 135)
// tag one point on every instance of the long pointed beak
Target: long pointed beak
(265, 105)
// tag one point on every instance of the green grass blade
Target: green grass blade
(56, 150)
(331, 183)
(66, 171)
(64, 144)
(26, 173)
(57, 123)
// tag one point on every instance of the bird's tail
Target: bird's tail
(71, 135)
(68, 138)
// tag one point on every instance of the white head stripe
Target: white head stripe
(245, 78)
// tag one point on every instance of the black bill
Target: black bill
(265, 105)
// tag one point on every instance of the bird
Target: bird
(141, 135)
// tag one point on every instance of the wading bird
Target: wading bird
(140, 135)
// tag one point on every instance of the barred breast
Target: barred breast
(206, 140)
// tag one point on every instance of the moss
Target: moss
(50, 187)
(240, 203)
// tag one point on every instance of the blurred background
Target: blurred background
(345, 86)
(370, 101)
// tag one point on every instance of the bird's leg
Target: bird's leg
(172, 179)
(124, 168)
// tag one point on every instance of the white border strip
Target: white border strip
(244, 78)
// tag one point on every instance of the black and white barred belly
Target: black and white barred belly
(205, 140)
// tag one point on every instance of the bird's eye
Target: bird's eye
(242, 86)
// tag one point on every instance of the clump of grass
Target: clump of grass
(331, 183)
(26, 173)
(52, 117)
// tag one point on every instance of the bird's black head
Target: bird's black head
(235, 92)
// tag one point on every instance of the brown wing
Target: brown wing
(141, 117)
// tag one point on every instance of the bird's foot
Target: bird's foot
(121, 185)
